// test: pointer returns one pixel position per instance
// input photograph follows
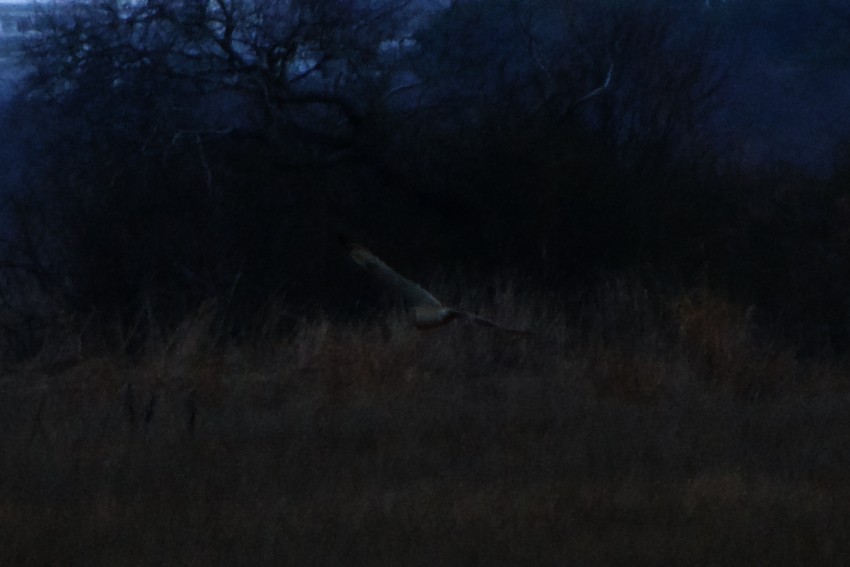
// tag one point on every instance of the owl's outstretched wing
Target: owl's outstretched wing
(479, 320)
(414, 295)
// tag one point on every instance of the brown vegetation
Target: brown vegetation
(638, 431)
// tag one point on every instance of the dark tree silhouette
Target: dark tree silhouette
(176, 145)
(181, 151)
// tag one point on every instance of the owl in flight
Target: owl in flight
(426, 310)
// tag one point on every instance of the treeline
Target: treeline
(179, 152)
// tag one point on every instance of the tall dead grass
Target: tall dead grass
(637, 430)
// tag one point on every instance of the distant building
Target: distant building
(15, 20)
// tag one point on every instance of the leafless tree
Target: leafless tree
(144, 117)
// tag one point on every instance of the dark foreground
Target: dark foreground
(617, 444)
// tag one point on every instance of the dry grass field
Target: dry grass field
(632, 431)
